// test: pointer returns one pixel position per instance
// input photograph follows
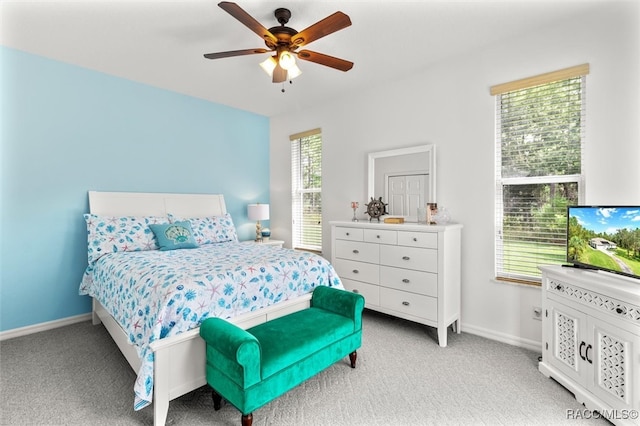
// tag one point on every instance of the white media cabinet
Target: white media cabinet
(591, 339)
(406, 270)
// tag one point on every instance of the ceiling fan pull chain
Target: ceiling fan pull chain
(290, 82)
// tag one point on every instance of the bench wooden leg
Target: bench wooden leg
(217, 400)
(247, 419)
(352, 357)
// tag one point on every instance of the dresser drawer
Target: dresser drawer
(359, 271)
(345, 233)
(418, 239)
(409, 303)
(370, 292)
(357, 250)
(409, 280)
(382, 236)
(409, 257)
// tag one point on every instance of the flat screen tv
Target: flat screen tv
(605, 238)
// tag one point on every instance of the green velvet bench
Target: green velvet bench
(250, 368)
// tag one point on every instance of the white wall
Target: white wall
(449, 105)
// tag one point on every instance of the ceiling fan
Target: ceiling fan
(285, 41)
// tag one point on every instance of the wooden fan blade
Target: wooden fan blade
(248, 20)
(279, 74)
(322, 59)
(328, 25)
(231, 53)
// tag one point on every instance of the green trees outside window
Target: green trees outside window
(540, 133)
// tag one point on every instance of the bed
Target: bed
(152, 301)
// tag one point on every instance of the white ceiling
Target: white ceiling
(161, 43)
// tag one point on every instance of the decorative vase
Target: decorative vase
(354, 206)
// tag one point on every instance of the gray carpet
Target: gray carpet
(75, 375)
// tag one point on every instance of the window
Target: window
(539, 156)
(306, 190)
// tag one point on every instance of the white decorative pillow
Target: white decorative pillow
(211, 229)
(110, 234)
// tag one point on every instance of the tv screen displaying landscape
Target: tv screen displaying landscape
(606, 238)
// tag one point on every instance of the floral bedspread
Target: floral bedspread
(155, 294)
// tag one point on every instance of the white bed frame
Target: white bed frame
(180, 360)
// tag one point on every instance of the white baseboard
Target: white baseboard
(471, 329)
(502, 337)
(44, 326)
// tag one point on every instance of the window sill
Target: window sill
(517, 282)
(308, 250)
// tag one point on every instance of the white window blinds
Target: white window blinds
(306, 190)
(539, 156)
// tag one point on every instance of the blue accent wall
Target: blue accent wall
(67, 130)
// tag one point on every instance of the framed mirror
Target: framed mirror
(405, 178)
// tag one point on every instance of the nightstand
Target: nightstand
(269, 242)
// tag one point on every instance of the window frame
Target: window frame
(298, 192)
(500, 257)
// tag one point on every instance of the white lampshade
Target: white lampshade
(258, 211)
(293, 72)
(287, 60)
(269, 64)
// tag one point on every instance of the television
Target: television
(604, 238)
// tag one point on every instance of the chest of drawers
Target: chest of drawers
(411, 271)
(591, 339)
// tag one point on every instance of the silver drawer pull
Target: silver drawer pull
(405, 303)
(355, 271)
(347, 234)
(405, 257)
(406, 281)
(377, 236)
(415, 239)
(356, 251)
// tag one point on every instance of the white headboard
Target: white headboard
(155, 204)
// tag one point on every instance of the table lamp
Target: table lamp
(258, 212)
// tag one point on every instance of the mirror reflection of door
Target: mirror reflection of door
(406, 193)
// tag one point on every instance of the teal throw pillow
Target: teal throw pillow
(171, 236)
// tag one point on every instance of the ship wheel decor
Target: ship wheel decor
(376, 208)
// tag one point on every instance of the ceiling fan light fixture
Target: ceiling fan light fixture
(268, 65)
(293, 72)
(287, 60)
